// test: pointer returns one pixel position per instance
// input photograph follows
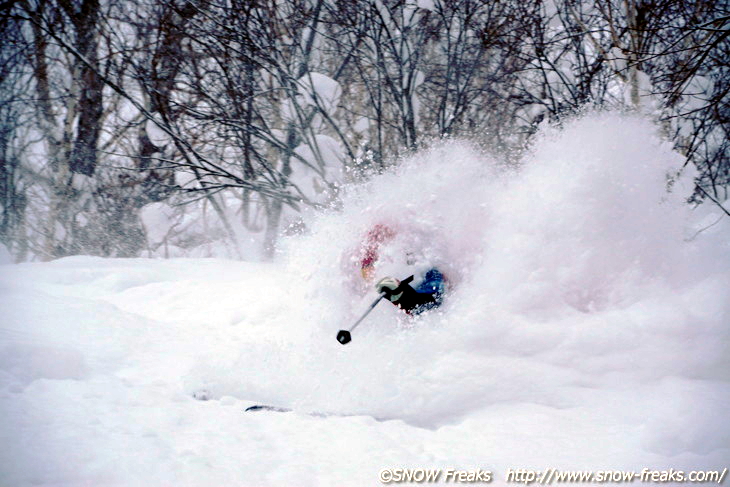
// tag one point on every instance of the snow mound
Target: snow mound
(585, 328)
(23, 364)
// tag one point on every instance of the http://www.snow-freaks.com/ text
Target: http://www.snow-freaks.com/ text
(548, 476)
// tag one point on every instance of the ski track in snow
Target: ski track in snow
(585, 329)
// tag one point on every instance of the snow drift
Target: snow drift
(587, 327)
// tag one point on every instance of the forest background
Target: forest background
(205, 128)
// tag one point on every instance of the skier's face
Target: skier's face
(368, 272)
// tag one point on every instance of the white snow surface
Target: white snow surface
(583, 330)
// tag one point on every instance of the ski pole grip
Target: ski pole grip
(390, 292)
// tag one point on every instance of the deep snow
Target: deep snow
(588, 327)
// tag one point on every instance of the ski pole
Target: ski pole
(344, 336)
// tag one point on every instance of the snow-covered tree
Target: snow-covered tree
(219, 121)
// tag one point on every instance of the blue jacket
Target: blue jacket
(427, 295)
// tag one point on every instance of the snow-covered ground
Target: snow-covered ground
(588, 327)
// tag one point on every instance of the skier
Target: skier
(383, 251)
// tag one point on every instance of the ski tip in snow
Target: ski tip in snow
(316, 414)
(263, 407)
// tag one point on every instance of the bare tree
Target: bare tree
(14, 119)
(69, 129)
(691, 71)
